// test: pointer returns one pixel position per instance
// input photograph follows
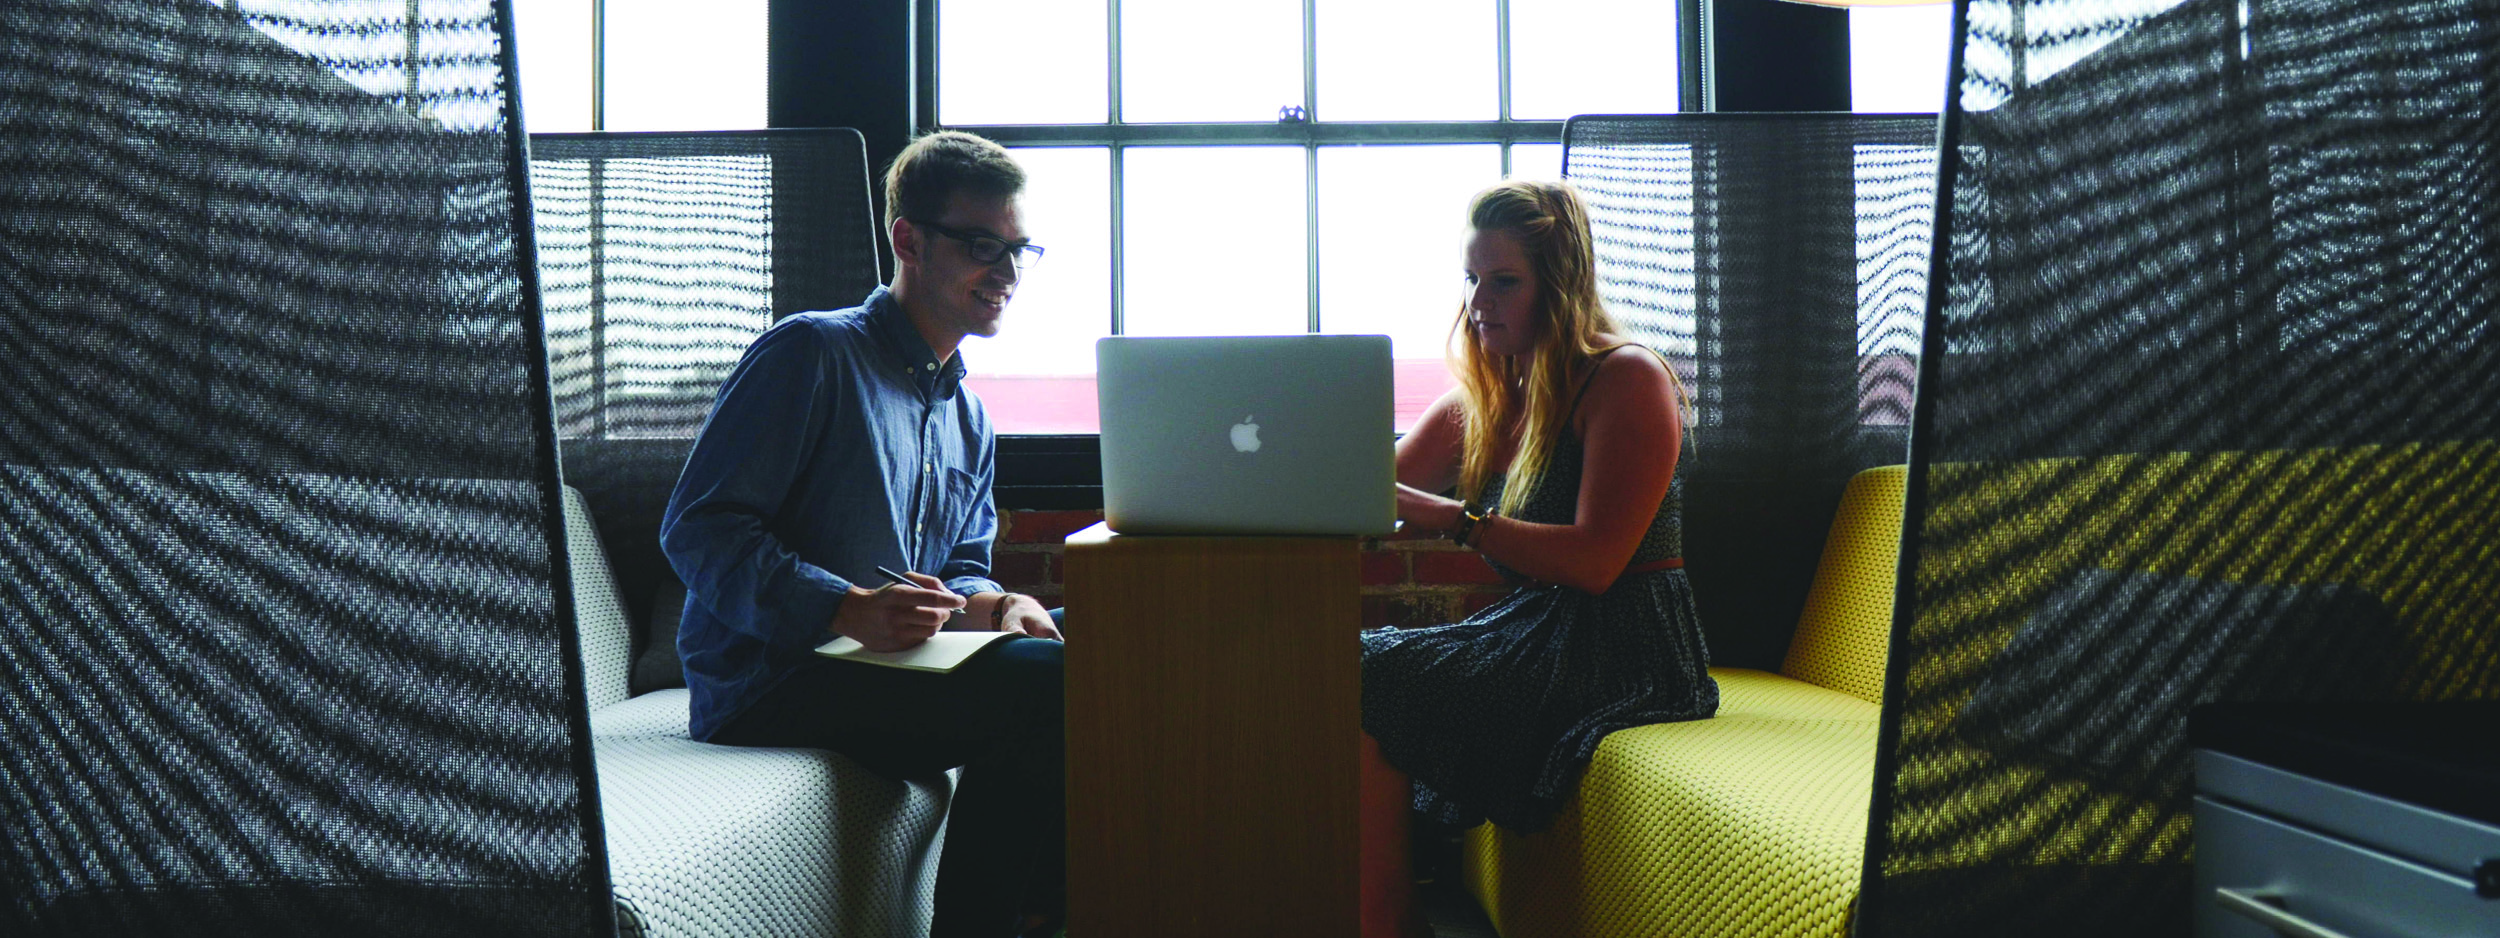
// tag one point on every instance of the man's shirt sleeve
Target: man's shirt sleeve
(744, 465)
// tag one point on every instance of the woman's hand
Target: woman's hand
(1427, 513)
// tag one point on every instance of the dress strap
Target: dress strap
(1591, 379)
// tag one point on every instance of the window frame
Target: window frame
(1118, 136)
(1063, 471)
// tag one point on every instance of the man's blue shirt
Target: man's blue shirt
(839, 443)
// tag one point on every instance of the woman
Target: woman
(1563, 442)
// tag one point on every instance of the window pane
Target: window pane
(1392, 246)
(1536, 161)
(675, 67)
(1592, 57)
(1897, 58)
(1037, 376)
(1216, 241)
(552, 39)
(1185, 60)
(1404, 60)
(1022, 62)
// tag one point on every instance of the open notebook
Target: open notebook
(941, 653)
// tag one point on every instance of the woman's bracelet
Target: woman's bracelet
(998, 612)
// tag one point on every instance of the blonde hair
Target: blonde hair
(1532, 391)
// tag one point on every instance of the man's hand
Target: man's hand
(1024, 615)
(896, 616)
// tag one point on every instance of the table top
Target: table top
(2444, 756)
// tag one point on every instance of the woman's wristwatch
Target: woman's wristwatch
(1469, 516)
(998, 611)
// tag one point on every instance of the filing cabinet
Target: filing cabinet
(2376, 821)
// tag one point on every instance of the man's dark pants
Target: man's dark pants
(998, 716)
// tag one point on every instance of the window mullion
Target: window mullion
(1269, 133)
(1310, 162)
(598, 65)
(1310, 221)
(1501, 72)
(1119, 174)
(1501, 80)
(928, 40)
(1112, 68)
(1119, 239)
(1694, 86)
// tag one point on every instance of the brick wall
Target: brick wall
(1407, 581)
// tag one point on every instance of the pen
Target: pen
(901, 580)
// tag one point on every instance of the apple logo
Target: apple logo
(1246, 436)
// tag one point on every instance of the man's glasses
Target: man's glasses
(987, 249)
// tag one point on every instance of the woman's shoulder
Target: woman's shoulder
(1621, 361)
(1630, 379)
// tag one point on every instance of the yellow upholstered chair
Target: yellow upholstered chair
(1751, 823)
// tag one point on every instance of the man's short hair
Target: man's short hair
(937, 166)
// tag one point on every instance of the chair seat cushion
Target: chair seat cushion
(722, 840)
(1750, 823)
(1744, 692)
(659, 713)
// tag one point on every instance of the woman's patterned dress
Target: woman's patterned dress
(1496, 716)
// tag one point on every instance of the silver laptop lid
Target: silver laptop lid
(1247, 434)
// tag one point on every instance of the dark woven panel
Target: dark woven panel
(1780, 260)
(663, 256)
(2209, 412)
(282, 649)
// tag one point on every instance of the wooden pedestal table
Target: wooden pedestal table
(1213, 726)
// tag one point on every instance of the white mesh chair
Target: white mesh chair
(708, 840)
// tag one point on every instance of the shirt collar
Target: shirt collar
(911, 352)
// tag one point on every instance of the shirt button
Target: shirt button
(932, 366)
(928, 467)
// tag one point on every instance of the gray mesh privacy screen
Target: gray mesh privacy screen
(285, 647)
(663, 256)
(2208, 411)
(1779, 261)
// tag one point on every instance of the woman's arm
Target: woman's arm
(1428, 464)
(1631, 433)
(1428, 453)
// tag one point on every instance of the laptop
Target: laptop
(1287, 434)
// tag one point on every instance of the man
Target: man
(845, 441)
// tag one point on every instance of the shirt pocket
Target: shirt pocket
(960, 496)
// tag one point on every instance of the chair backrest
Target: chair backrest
(2208, 409)
(285, 632)
(606, 638)
(665, 255)
(1845, 633)
(1780, 262)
